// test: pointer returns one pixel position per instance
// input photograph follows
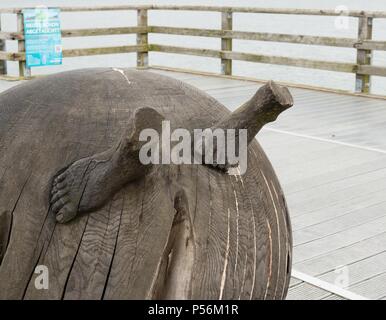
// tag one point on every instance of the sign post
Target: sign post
(42, 33)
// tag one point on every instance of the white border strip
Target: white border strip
(327, 286)
(327, 140)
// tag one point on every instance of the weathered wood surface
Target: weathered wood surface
(24, 71)
(365, 32)
(297, 62)
(274, 37)
(101, 31)
(329, 153)
(226, 43)
(99, 51)
(348, 156)
(142, 39)
(317, 12)
(225, 237)
(12, 56)
(215, 33)
(3, 64)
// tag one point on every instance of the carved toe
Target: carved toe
(66, 213)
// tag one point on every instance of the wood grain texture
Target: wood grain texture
(186, 231)
(312, 12)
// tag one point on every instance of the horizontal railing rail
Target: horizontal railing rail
(216, 33)
(290, 11)
(363, 44)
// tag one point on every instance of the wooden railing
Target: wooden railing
(364, 44)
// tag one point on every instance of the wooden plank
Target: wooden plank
(12, 56)
(343, 256)
(306, 291)
(310, 205)
(104, 8)
(314, 210)
(291, 11)
(100, 31)
(361, 271)
(214, 33)
(329, 287)
(100, 51)
(19, 56)
(10, 10)
(371, 45)
(11, 36)
(374, 288)
(263, 36)
(296, 62)
(333, 297)
(372, 70)
(182, 50)
(70, 33)
(318, 12)
(294, 282)
(305, 219)
(339, 225)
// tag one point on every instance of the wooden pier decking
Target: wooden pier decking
(329, 152)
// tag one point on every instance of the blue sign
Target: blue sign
(43, 40)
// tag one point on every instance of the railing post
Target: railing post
(3, 63)
(365, 32)
(142, 39)
(226, 43)
(23, 70)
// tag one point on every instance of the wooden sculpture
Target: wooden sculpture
(75, 198)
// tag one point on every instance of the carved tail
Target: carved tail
(264, 107)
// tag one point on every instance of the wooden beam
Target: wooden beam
(372, 70)
(101, 31)
(101, 51)
(343, 67)
(258, 36)
(70, 53)
(12, 56)
(290, 11)
(11, 36)
(11, 10)
(296, 62)
(214, 33)
(104, 8)
(371, 45)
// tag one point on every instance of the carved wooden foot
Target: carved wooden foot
(89, 183)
